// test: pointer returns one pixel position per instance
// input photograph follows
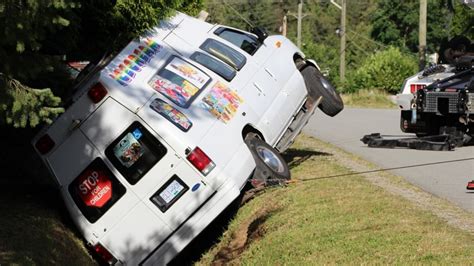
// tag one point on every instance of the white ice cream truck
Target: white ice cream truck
(161, 138)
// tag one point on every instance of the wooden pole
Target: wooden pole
(342, 63)
(422, 34)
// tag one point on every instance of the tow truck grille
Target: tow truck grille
(447, 101)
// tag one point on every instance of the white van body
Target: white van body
(150, 220)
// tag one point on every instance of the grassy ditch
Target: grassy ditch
(368, 99)
(32, 232)
(341, 220)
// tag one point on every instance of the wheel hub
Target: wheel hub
(270, 159)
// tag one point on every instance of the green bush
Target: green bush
(385, 70)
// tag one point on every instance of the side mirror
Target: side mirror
(261, 33)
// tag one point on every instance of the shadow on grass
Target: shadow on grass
(295, 157)
(35, 229)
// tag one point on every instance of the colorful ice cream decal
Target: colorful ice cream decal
(172, 114)
(222, 102)
(125, 72)
(179, 81)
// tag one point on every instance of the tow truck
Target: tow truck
(437, 104)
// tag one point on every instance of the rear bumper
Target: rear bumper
(442, 102)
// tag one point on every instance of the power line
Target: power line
(238, 14)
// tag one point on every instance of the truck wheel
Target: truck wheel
(317, 86)
(269, 163)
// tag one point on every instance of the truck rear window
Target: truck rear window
(135, 152)
(179, 81)
(95, 190)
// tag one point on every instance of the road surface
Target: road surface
(446, 180)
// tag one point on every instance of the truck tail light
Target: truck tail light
(97, 92)
(45, 144)
(104, 254)
(201, 161)
(416, 87)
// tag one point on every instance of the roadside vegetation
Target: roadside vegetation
(32, 231)
(368, 99)
(324, 217)
(339, 220)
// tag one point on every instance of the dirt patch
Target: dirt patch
(249, 231)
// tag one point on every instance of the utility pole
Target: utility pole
(422, 34)
(300, 17)
(342, 62)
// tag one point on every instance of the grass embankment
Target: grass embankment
(368, 99)
(342, 220)
(33, 233)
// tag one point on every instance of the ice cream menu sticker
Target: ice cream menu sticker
(187, 71)
(129, 150)
(172, 114)
(222, 102)
(179, 81)
(125, 71)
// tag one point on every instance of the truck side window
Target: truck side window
(135, 152)
(224, 53)
(246, 42)
(215, 65)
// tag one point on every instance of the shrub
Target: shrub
(385, 70)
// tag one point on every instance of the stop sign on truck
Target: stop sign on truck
(95, 188)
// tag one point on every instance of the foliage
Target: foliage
(39, 35)
(26, 27)
(396, 23)
(368, 98)
(24, 106)
(383, 70)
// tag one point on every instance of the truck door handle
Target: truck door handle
(259, 88)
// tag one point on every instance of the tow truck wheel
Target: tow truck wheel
(269, 163)
(317, 86)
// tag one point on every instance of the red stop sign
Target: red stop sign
(95, 188)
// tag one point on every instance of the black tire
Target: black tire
(317, 85)
(269, 163)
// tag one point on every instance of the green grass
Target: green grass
(343, 220)
(368, 99)
(33, 233)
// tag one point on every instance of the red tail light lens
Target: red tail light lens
(470, 185)
(201, 161)
(415, 87)
(45, 144)
(97, 92)
(104, 254)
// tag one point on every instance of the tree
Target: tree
(38, 35)
(396, 23)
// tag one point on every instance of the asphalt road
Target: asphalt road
(446, 180)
